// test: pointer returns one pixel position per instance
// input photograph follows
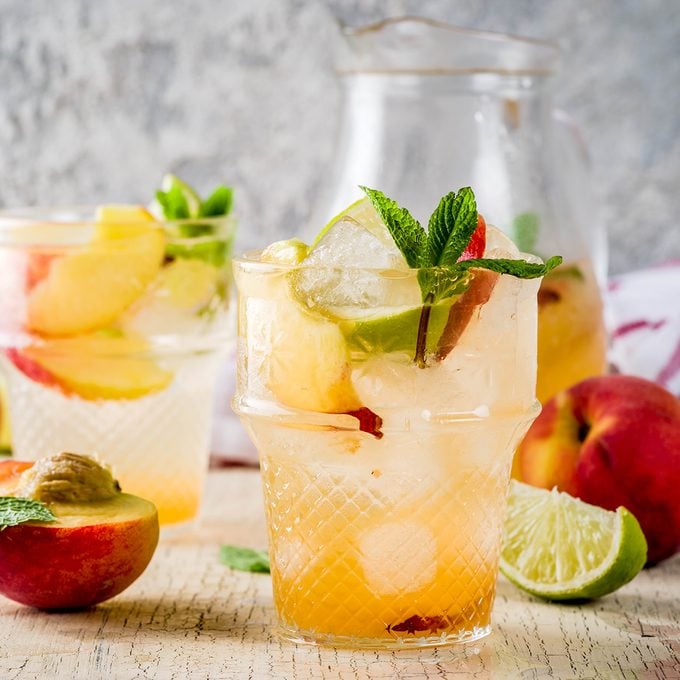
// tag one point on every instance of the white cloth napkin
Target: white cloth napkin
(643, 309)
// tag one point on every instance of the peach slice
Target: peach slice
(89, 289)
(93, 551)
(94, 366)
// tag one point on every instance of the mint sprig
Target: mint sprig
(15, 511)
(179, 202)
(436, 253)
(406, 231)
(244, 559)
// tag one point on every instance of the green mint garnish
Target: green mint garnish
(15, 511)
(174, 203)
(450, 228)
(180, 202)
(218, 203)
(436, 252)
(525, 228)
(406, 231)
(244, 559)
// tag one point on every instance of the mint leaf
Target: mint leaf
(15, 511)
(218, 203)
(519, 268)
(439, 283)
(408, 234)
(451, 226)
(244, 559)
(173, 203)
(525, 228)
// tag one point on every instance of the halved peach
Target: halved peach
(93, 551)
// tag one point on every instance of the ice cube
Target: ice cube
(398, 557)
(353, 269)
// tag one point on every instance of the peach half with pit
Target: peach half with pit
(100, 541)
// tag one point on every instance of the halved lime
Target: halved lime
(560, 548)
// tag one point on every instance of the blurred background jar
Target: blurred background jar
(429, 108)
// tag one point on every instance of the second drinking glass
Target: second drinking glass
(112, 327)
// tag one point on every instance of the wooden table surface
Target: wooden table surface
(190, 617)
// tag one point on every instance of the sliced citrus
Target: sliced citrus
(396, 332)
(560, 548)
(363, 212)
(193, 200)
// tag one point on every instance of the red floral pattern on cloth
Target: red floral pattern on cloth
(643, 309)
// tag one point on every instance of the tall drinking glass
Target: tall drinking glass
(111, 333)
(385, 481)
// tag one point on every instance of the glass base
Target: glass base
(412, 642)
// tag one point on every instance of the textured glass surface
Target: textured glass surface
(157, 445)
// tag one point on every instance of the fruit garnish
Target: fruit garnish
(93, 366)
(477, 243)
(363, 212)
(70, 538)
(438, 253)
(89, 289)
(560, 548)
(245, 559)
(198, 238)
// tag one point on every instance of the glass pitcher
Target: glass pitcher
(429, 108)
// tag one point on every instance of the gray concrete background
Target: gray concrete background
(99, 97)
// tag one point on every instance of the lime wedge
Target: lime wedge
(396, 332)
(560, 548)
(363, 212)
(171, 181)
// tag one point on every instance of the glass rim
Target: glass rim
(73, 220)
(540, 57)
(501, 36)
(84, 215)
(249, 261)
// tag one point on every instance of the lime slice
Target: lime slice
(363, 212)
(171, 181)
(560, 548)
(396, 332)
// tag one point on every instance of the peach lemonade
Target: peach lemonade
(572, 340)
(111, 326)
(386, 374)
